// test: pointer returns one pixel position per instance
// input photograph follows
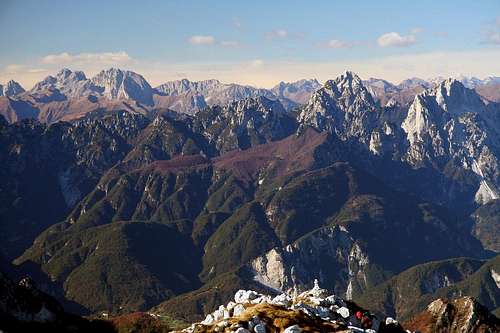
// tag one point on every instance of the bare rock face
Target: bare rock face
(118, 84)
(210, 92)
(451, 122)
(71, 84)
(402, 94)
(460, 315)
(245, 123)
(446, 126)
(297, 92)
(12, 88)
(70, 95)
(291, 268)
(179, 87)
(344, 107)
(114, 84)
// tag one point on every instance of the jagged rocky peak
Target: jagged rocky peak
(474, 82)
(260, 104)
(343, 106)
(246, 108)
(381, 89)
(346, 82)
(213, 91)
(298, 92)
(348, 92)
(112, 83)
(234, 92)
(11, 88)
(388, 94)
(451, 122)
(429, 108)
(123, 84)
(379, 83)
(72, 84)
(309, 85)
(63, 80)
(452, 96)
(184, 86)
(65, 75)
(45, 84)
(245, 123)
(414, 82)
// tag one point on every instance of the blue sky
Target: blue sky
(252, 42)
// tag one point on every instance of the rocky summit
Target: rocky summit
(313, 310)
(316, 310)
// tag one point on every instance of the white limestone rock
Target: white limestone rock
(282, 299)
(260, 328)
(242, 330)
(293, 329)
(344, 312)
(245, 296)
(209, 320)
(238, 309)
(390, 321)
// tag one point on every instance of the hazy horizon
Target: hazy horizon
(256, 43)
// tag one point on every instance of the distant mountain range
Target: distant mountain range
(404, 92)
(391, 202)
(71, 95)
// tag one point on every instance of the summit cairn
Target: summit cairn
(313, 310)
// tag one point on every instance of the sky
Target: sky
(250, 42)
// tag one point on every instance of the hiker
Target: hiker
(365, 319)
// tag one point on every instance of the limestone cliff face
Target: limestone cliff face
(461, 315)
(245, 123)
(344, 107)
(446, 123)
(451, 122)
(118, 84)
(296, 265)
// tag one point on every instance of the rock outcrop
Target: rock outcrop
(460, 315)
(451, 123)
(344, 107)
(313, 310)
(11, 88)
